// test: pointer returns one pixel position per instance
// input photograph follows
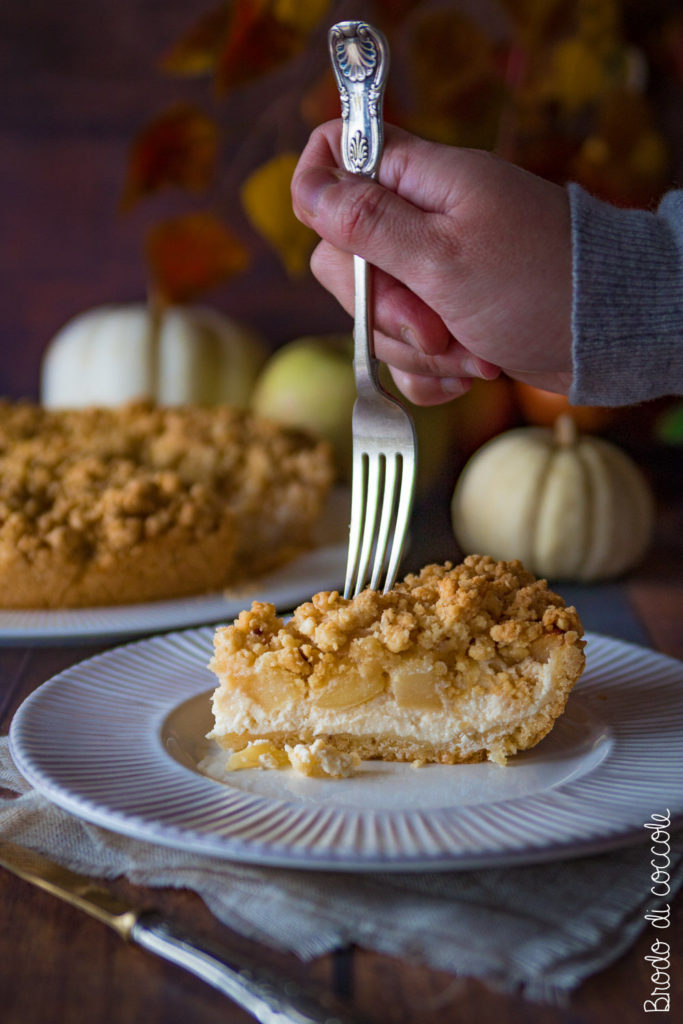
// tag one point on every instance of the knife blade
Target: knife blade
(268, 998)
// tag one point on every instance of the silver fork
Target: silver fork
(384, 441)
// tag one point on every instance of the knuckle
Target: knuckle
(361, 214)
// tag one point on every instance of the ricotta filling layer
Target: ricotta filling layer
(461, 723)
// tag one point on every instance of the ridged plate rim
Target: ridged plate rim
(89, 740)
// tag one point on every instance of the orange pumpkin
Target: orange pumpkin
(487, 409)
(542, 408)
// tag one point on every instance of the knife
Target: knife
(271, 1000)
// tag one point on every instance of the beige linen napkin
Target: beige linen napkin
(540, 929)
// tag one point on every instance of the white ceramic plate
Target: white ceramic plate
(116, 740)
(321, 568)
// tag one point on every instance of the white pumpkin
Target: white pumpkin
(119, 353)
(570, 507)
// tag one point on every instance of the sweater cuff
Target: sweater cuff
(627, 310)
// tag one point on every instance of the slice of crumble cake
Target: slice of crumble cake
(454, 664)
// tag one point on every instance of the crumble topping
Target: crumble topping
(480, 609)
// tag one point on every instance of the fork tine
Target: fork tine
(388, 510)
(358, 504)
(372, 496)
(402, 517)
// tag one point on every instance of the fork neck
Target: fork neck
(365, 364)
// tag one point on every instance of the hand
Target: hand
(472, 260)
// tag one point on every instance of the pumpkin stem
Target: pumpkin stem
(565, 432)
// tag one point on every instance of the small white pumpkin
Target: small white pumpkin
(119, 353)
(569, 507)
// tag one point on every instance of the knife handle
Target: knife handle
(271, 1000)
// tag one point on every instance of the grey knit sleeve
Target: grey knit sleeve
(627, 312)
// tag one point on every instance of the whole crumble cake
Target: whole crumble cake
(137, 503)
(454, 664)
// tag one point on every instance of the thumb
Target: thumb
(358, 215)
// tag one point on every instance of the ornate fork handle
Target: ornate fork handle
(360, 58)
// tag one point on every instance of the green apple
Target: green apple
(309, 383)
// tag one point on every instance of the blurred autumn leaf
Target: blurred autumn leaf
(187, 255)
(320, 102)
(457, 81)
(262, 35)
(196, 52)
(303, 16)
(625, 158)
(267, 202)
(533, 18)
(178, 148)
(242, 39)
(257, 43)
(588, 65)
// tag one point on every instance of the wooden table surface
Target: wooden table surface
(56, 965)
